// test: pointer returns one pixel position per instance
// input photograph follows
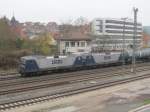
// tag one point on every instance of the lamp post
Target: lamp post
(123, 40)
(134, 36)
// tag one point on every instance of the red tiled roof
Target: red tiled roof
(146, 37)
(73, 36)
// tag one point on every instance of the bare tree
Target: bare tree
(81, 21)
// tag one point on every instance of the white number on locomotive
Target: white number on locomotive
(57, 61)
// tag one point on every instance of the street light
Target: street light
(123, 39)
(134, 36)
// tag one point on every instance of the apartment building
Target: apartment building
(115, 34)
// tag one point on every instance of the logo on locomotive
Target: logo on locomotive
(57, 61)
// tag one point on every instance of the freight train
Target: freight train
(34, 65)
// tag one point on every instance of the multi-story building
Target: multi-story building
(115, 34)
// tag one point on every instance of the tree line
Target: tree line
(12, 46)
(10, 42)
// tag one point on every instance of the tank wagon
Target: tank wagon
(34, 65)
(142, 55)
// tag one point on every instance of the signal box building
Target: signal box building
(74, 42)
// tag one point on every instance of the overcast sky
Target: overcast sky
(63, 10)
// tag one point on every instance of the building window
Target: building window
(100, 26)
(78, 44)
(72, 44)
(121, 22)
(121, 27)
(66, 44)
(82, 44)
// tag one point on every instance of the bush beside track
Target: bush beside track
(10, 60)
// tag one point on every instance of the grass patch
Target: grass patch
(147, 101)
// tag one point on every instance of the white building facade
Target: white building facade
(115, 34)
(73, 46)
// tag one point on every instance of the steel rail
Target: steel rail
(23, 88)
(73, 91)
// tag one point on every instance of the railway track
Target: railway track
(68, 92)
(21, 80)
(63, 83)
(8, 73)
(54, 77)
(9, 76)
(66, 81)
(16, 75)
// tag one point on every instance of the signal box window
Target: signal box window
(82, 44)
(72, 44)
(67, 44)
(78, 43)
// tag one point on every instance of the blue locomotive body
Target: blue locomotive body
(41, 64)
